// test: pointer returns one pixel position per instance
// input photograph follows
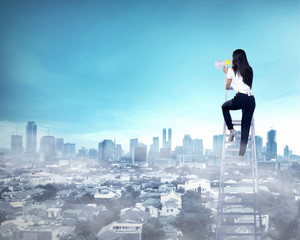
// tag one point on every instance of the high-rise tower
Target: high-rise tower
(47, 148)
(167, 144)
(271, 152)
(16, 147)
(31, 131)
(133, 142)
(170, 138)
(164, 138)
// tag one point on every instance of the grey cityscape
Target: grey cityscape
(112, 120)
(61, 191)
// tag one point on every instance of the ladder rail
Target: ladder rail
(221, 180)
(220, 234)
(256, 173)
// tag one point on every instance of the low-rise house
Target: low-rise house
(72, 213)
(134, 214)
(11, 209)
(195, 185)
(171, 203)
(7, 230)
(167, 188)
(37, 233)
(63, 194)
(124, 231)
(54, 212)
(17, 208)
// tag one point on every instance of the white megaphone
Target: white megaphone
(220, 64)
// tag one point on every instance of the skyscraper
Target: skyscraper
(31, 131)
(187, 145)
(198, 148)
(286, 152)
(69, 150)
(217, 145)
(140, 155)
(170, 138)
(259, 147)
(16, 147)
(155, 144)
(164, 138)
(154, 150)
(47, 148)
(271, 152)
(59, 147)
(93, 153)
(167, 144)
(133, 142)
(106, 149)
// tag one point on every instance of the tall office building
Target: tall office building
(69, 150)
(187, 145)
(164, 143)
(133, 142)
(59, 145)
(170, 138)
(82, 152)
(271, 152)
(155, 144)
(106, 150)
(140, 155)
(286, 152)
(167, 144)
(198, 148)
(31, 132)
(119, 151)
(154, 150)
(93, 153)
(16, 147)
(259, 147)
(47, 148)
(217, 145)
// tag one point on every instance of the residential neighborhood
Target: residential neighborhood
(79, 199)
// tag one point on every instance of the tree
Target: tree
(50, 192)
(194, 219)
(152, 229)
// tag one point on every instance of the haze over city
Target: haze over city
(111, 124)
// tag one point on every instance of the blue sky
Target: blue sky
(92, 70)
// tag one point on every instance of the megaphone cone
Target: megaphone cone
(220, 64)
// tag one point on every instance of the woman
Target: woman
(240, 77)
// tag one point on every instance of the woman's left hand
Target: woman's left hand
(225, 70)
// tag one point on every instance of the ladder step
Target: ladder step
(236, 160)
(239, 234)
(227, 166)
(238, 135)
(238, 203)
(238, 142)
(238, 194)
(239, 213)
(232, 141)
(239, 224)
(236, 149)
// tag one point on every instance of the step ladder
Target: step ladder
(238, 212)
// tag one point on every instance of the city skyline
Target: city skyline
(126, 70)
(136, 141)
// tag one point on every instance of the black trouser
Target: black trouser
(247, 104)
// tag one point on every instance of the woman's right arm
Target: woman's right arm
(227, 81)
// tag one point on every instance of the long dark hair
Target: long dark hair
(240, 65)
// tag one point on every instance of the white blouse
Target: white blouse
(237, 83)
